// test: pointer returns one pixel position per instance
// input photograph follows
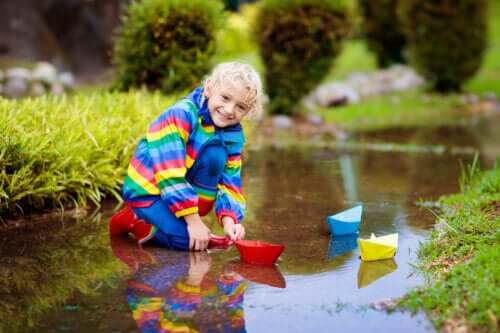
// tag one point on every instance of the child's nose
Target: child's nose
(231, 108)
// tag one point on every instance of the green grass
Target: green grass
(408, 109)
(461, 258)
(60, 151)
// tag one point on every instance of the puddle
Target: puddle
(71, 279)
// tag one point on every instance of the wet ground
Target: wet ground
(68, 276)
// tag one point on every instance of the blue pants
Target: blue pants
(205, 173)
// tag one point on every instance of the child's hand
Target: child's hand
(199, 233)
(233, 230)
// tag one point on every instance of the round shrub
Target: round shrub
(382, 31)
(446, 39)
(166, 44)
(298, 41)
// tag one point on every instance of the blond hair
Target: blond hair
(237, 72)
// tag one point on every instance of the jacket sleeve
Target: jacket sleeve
(167, 138)
(230, 200)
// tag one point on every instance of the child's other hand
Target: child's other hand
(199, 233)
(233, 230)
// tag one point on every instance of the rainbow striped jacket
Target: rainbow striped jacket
(162, 159)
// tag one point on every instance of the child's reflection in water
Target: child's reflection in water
(176, 293)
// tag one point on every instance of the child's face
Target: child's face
(227, 103)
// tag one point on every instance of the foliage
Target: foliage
(166, 45)
(487, 77)
(56, 151)
(236, 39)
(382, 30)
(298, 41)
(446, 39)
(463, 257)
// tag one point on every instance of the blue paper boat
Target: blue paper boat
(340, 245)
(346, 222)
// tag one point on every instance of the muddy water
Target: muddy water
(68, 277)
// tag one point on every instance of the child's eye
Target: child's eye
(241, 108)
(224, 97)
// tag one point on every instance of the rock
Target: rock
(37, 89)
(18, 73)
(384, 304)
(45, 72)
(314, 118)
(489, 95)
(334, 94)
(57, 89)
(15, 87)
(283, 122)
(67, 80)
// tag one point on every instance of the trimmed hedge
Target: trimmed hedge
(446, 39)
(166, 44)
(382, 30)
(298, 42)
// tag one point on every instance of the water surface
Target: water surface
(73, 279)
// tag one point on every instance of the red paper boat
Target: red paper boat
(257, 252)
(219, 242)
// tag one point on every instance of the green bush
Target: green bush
(166, 44)
(68, 151)
(446, 39)
(298, 41)
(382, 30)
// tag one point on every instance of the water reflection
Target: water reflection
(178, 291)
(289, 194)
(370, 271)
(340, 245)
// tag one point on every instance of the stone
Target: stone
(57, 89)
(334, 94)
(45, 72)
(37, 89)
(282, 122)
(314, 118)
(16, 87)
(67, 80)
(489, 95)
(18, 73)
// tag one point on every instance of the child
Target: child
(189, 159)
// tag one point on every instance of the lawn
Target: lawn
(461, 258)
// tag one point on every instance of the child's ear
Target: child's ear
(207, 88)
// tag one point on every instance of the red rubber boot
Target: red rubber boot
(142, 231)
(122, 221)
(125, 221)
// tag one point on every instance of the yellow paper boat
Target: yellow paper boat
(378, 248)
(369, 272)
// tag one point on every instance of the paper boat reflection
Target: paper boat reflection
(346, 222)
(269, 275)
(377, 248)
(340, 245)
(370, 271)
